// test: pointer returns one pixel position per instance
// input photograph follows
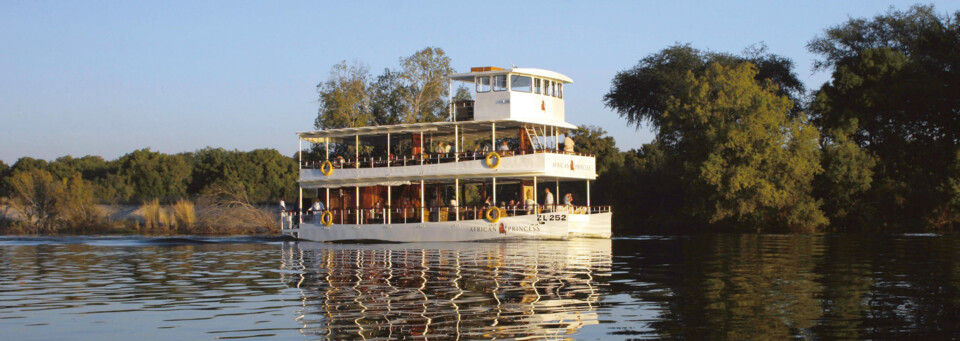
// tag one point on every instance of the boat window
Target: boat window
(536, 86)
(483, 84)
(500, 83)
(549, 88)
(560, 90)
(520, 83)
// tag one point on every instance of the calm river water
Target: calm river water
(738, 287)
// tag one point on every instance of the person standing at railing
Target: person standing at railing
(547, 200)
(317, 209)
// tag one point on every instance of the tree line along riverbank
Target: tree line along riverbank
(741, 145)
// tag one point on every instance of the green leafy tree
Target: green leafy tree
(387, 99)
(34, 193)
(414, 93)
(756, 164)
(641, 94)
(895, 94)
(732, 150)
(4, 174)
(154, 175)
(423, 74)
(344, 98)
(594, 140)
(76, 203)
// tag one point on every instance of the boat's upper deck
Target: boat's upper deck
(517, 113)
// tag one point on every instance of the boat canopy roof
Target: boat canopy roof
(488, 71)
(466, 128)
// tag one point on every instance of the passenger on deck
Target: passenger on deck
(568, 144)
(317, 209)
(504, 148)
(547, 200)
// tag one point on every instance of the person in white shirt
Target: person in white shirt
(283, 206)
(548, 200)
(530, 205)
(568, 144)
(317, 209)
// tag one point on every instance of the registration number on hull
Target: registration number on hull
(551, 217)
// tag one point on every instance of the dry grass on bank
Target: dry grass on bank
(226, 209)
(221, 210)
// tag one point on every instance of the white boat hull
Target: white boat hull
(541, 226)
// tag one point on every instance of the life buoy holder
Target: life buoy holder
(489, 160)
(326, 168)
(493, 217)
(326, 218)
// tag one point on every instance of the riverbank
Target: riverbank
(154, 219)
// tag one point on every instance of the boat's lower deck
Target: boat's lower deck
(555, 225)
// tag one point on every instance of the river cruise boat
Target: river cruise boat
(499, 167)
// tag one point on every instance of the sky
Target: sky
(110, 77)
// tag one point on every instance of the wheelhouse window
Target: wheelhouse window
(559, 90)
(537, 88)
(500, 83)
(483, 84)
(520, 83)
(549, 88)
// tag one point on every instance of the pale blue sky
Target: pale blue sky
(106, 78)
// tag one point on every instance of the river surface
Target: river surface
(703, 287)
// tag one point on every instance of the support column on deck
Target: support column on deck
(588, 193)
(423, 219)
(300, 191)
(493, 139)
(536, 202)
(556, 197)
(356, 196)
(456, 197)
(389, 204)
(494, 191)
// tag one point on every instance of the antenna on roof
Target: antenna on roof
(514, 65)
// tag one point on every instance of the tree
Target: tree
(4, 173)
(414, 93)
(748, 160)
(895, 94)
(593, 140)
(387, 99)
(344, 100)
(423, 73)
(153, 175)
(34, 193)
(76, 205)
(641, 93)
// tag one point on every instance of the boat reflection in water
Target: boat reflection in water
(524, 289)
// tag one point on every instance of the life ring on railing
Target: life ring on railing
(326, 168)
(491, 156)
(326, 218)
(490, 214)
